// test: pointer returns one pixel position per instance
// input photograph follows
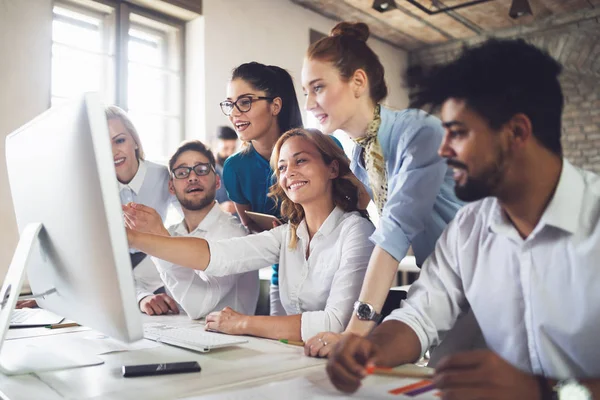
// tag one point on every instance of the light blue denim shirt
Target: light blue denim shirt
(420, 199)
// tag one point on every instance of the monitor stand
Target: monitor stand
(22, 356)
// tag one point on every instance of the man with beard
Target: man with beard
(194, 182)
(523, 255)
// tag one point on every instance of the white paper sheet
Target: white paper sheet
(302, 388)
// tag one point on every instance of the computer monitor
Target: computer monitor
(62, 176)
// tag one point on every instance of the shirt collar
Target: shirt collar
(138, 179)
(562, 211)
(210, 218)
(565, 206)
(330, 223)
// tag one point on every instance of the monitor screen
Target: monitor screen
(61, 174)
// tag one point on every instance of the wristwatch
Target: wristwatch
(570, 389)
(366, 312)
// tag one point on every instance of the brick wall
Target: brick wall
(574, 40)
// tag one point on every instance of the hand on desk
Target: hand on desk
(143, 219)
(321, 344)
(26, 304)
(158, 304)
(482, 374)
(479, 374)
(348, 361)
(226, 321)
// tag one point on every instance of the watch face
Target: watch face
(572, 390)
(364, 311)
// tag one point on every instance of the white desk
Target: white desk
(257, 362)
(259, 359)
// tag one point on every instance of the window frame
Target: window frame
(123, 10)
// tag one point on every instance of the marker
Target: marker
(292, 342)
(67, 325)
(373, 370)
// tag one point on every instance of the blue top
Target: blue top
(247, 177)
(420, 199)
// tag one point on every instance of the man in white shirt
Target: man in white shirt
(523, 255)
(194, 182)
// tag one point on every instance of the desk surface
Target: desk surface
(256, 362)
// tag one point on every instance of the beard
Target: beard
(482, 186)
(197, 203)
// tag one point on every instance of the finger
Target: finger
(212, 316)
(172, 304)
(341, 378)
(468, 359)
(308, 345)
(347, 354)
(147, 309)
(457, 378)
(324, 351)
(162, 305)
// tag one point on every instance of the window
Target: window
(132, 57)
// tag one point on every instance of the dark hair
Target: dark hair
(275, 82)
(192, 145)
(347, 49)
(345, 193)
(226, 133)
(498, 79)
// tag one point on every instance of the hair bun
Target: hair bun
(356, 30)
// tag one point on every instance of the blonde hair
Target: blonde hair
(114, 112)
(345, 193)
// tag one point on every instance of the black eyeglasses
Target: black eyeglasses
(200, 169)
(243, 104)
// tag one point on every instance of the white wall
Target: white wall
(271, 32)
(25, 51)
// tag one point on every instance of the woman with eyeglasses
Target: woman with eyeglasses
(261, 104)
(322, 250)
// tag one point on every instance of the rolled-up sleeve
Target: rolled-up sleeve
(249, 253)
(437, 298)
(413, 185)
(197, 293)
(346, 284)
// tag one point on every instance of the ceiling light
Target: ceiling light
(519, 8)
(384, 5)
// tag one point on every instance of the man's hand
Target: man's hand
(158, 304)
(228, 207)
(321, 344)
(226, 321)
(143, 219)
(348, 361)
(482, 374)
(31, 303)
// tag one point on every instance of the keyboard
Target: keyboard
(196, 339)
(29, 317)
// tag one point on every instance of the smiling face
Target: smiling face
(478, 154)
(194, 192)
(302, 173)
(329, 98)
(124, 151)
(262, 117)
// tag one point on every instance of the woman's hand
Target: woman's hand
(321, 344)
(143, 219)
(226, 321)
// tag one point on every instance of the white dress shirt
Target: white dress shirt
(149, 187)
(324, 287)
(197, 292)
(537, 300)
